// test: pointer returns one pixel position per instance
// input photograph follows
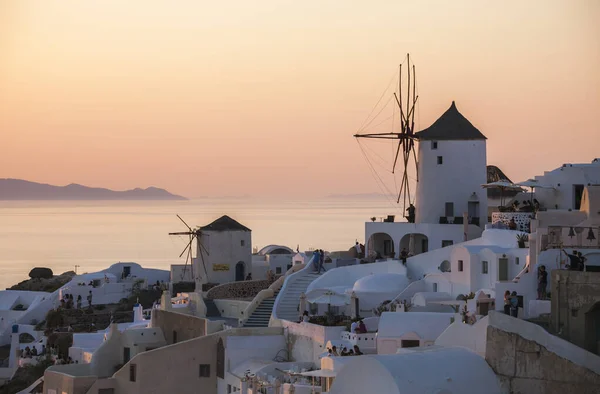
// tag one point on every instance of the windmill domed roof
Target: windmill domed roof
(452, 125)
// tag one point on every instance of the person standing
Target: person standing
(542, 282)
(316, 260)
(507, 302)
(514, 304)
(321, 260)
(89, 299)
(403, 255)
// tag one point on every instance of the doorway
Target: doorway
(592, 329)
(449, 209)
(240, 271)
(502, 269)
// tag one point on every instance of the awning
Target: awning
(320, 373)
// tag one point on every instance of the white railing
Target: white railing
(268, 293)
(522, 219)
(288, 281)
(363, 341)
(571, 237)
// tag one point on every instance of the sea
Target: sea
(88, 236)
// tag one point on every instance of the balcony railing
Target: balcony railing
(366, 341)
(502, 219)
(571, 237)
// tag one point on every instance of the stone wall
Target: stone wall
(244, 290)
(528, 360)
(574, 296)
(178, 325)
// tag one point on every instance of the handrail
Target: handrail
(288, 279)
(267, 293)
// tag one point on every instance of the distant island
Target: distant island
(358, 195)
(18, 189)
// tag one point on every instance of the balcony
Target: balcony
(458, 220)
(522, 219)
(559, 237)
(366, 342)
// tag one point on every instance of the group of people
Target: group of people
(32, 352)
(358, 327)
(68, 301)
(319, 259)
(576, 261)
(355, 351)
(511, 303)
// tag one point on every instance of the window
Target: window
(228, 389)
(516, 260)
(243, 242)
(435, 287)
(449, 209)
(106, 391)
(447, 243)
(132, 372)
(220, 359)
(460, 265)
(278, 270)
(440, 160)
(409, 343)
(204, 370)
(484, 267)
(577, 194)
(434, 145)
(174, 336)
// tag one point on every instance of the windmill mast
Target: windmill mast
(406, 136)
(197, 235)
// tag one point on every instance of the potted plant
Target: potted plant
(521, 239)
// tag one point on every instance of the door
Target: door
(424, 245)
(126, 271)
(473, 209)
(387, 248)
(240, 271)
(503, 269)
(449, 209)
(126, 355)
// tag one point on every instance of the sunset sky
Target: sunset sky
(209, 98)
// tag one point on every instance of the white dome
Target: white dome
(381, 283)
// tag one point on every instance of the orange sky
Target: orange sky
(245, 97)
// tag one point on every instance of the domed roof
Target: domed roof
(381, 283)
(275, 249)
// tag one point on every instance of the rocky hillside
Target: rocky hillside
(41, 284)
(495, 174)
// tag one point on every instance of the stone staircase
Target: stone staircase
(287, 306)
(261, 316)
(211, 308)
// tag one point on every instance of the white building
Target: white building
(439, 370)
(276, 258)
(226, 255)
(410, 329)
(451, 170)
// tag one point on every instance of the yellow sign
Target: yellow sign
(220, 267)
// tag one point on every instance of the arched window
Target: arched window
(220, 359)
(445, 266)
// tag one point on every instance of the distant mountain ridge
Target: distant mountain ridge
(18, 189)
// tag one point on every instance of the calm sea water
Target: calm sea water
(93, 235)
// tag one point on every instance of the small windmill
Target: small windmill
(193, 234)
(406, 136)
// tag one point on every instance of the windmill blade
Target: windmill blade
(183, 221)
(204, 264)
(202, 246)
(400, 143)
(188, 246)
(186, 262)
